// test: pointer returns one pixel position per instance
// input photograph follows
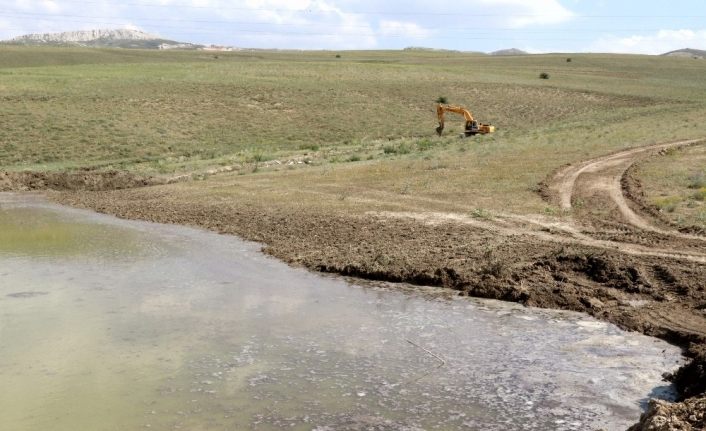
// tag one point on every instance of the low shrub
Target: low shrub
(667, 204)
(697, 181)
(424, 145)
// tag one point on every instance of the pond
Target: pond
(108, 324)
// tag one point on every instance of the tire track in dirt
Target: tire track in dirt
(602, 179)
(563, 233)
(608, 173)
(604, 174)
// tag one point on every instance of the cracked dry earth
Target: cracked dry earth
(604, 255)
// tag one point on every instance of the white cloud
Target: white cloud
(310, 24)
(403, 29)
(522, 13)
(305, 24)
(50, 6)
(657, 43)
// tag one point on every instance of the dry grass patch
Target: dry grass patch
(676, 184)
(187, 106)
(354, 133)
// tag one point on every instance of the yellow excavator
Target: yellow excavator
(472, 126)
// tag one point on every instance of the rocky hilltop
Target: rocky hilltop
(686, 52)
(511, 51)
(85, 36)
(116, 38)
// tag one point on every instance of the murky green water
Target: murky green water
(116, 325)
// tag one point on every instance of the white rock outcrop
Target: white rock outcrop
(85, 36)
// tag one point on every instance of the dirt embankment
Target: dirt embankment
(607, 259)
(76, 180)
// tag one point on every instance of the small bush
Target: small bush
(396, 149)
(700, 195)
(312, 147)
(480, 213)
(568, 60)
(544, 75)
(495, 268)
(259, 157)
(697, 181)
(667, 204)
(492, 266)
(354, 158)
(338, 55)
(424, 145)
(442, 99)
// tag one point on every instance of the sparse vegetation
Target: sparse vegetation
(668, 203)
(424, 145)
(697, 180)
(481, 213)
(310, 147)
(400, 148)
(544, 75)
(677, 185)
(192, 113)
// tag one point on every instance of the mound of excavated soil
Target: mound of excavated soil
(662, 416)
(77, 180)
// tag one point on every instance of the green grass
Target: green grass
(675, 184)
(171, 112)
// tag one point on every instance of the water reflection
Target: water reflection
(131, 325)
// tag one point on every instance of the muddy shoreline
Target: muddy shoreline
(656, 293)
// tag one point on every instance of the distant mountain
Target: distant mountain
(422, 48)
(511, 51)
(686, 52)
(119, 38)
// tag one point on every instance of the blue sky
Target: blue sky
(630, 26)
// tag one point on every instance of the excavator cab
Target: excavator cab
(471, 128)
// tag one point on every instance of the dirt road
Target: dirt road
(602, 255)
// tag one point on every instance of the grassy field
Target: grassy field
(676, 184)
(363, 123)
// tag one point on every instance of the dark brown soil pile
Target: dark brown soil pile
(664, 416)
(76, 180)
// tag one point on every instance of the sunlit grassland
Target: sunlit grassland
(675, 183)
(363, 122)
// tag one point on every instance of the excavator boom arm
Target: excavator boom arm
(441, 109)
(471, 124)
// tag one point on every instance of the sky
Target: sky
(537, 26)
